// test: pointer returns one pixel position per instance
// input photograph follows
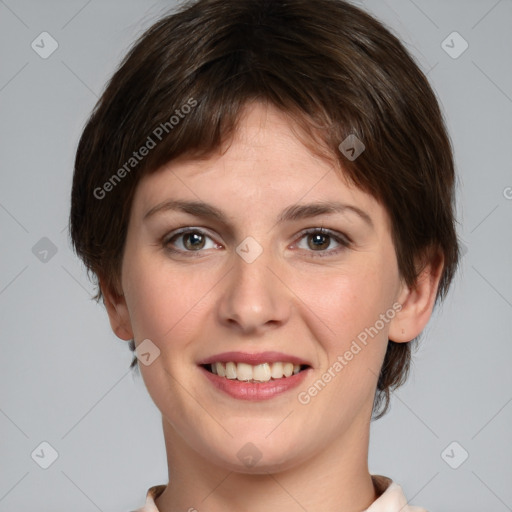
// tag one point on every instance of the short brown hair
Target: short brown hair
(330, 66)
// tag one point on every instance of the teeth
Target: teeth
(221, 369)
(259, 373)
(288, 369)
(243, 371)
(231, 370)
(277, 370)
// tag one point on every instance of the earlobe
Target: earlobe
(417, 302)
(117, 310)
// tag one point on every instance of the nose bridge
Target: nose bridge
(254, 298)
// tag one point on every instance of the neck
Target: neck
(335, 479)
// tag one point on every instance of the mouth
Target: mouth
(263, 372)
(260, 376)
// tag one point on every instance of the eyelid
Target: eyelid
(185, 229)
(326, 231)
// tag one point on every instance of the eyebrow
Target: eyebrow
(291, 213)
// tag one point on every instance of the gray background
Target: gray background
(64, 376)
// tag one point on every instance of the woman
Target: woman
(265, 193)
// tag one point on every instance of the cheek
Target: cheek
(344, 302)
(344, 314)
(163, 301)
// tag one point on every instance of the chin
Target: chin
(268, 463)
(258, 455)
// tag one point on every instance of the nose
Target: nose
(255, 298)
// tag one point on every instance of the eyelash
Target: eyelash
(340, 238)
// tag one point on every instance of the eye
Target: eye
(319, 239)
(188, 240)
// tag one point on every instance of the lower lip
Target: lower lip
(255, 391)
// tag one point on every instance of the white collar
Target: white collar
(391, 497)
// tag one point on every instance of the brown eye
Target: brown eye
(318, 241)
(188, 241)
(193, 240)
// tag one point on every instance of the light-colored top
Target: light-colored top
(391, 497)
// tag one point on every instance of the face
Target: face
(266, 286)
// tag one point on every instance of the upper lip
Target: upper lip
(254, 359)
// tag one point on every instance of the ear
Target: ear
(417, 301)
(117, 310)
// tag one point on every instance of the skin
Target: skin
(195, 304)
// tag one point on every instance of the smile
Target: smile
(254, 376)
(255, 373)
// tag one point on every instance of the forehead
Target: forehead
(264, 168)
